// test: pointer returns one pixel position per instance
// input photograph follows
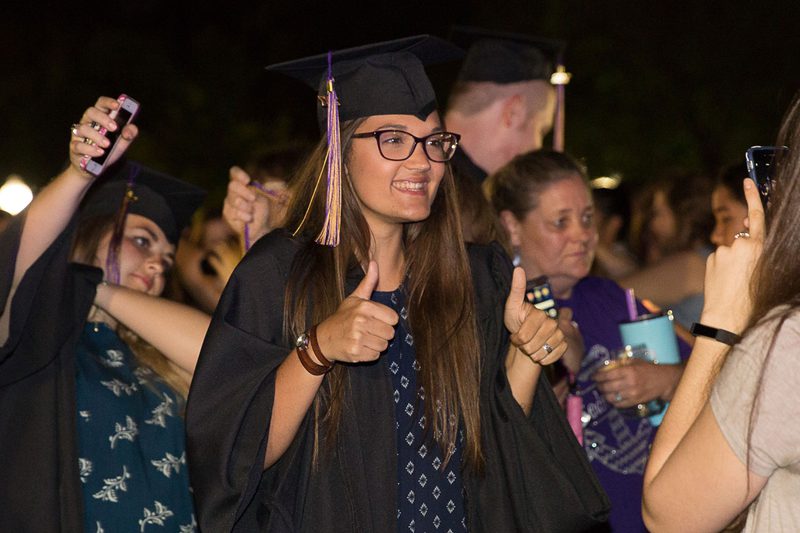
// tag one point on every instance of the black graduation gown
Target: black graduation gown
(537, 477)
(39, 482)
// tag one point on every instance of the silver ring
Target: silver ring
(74, 129)
(547, 348)
(742, 234)
(618, 397)
(94, 125)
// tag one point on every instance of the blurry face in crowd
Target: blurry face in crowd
(729, 215)
(558, 237)
(145, 255)
(394, 192)
(663, 226)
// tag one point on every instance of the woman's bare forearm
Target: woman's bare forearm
(174, 329)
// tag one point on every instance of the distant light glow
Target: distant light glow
(15, 195)
(606, 182)
(560, 76)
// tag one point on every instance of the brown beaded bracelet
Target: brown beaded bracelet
(312, 338)
(313, 368)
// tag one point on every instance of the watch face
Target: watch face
(302, 341)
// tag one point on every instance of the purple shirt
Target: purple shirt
(617, 446)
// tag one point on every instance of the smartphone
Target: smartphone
(540, 294)
(761, 168)
(124, 115)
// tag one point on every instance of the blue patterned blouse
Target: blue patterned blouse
(428, 498)
(132, 456)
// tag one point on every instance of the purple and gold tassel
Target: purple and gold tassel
(329, 234)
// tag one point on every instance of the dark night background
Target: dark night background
(655, 84)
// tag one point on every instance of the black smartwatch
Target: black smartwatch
(721, 335)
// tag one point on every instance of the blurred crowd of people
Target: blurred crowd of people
(161, 282)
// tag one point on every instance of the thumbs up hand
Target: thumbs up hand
(360, 329)
(532, 332)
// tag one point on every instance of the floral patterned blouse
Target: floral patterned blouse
(132, 455)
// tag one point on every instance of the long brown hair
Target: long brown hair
(89, 234)
(441, 307)
(777, 274)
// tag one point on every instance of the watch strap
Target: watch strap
(301, 346)
(721, 335)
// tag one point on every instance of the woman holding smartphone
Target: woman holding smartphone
(731, 439)
(94, 367)
(392, 381)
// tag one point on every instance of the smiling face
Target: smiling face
(729, 215)
(145, 255)
(558, 237)
(391, 193)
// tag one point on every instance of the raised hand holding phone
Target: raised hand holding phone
(54, 206)
(360, 329)
(730, 268)
(122, 116)
(103, 134)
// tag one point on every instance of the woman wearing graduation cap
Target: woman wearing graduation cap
(367, 372)
(93, 366)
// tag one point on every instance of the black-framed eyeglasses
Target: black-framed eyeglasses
(396, 145)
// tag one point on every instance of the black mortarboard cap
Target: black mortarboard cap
(502, 57)
(386, 78)
(383, 78)
(167, 201)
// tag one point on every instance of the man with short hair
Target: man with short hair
(502, 103)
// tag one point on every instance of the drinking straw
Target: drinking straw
(630, 301)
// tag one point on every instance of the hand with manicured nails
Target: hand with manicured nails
(88, 142)
(360, 329)
(531, 328)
